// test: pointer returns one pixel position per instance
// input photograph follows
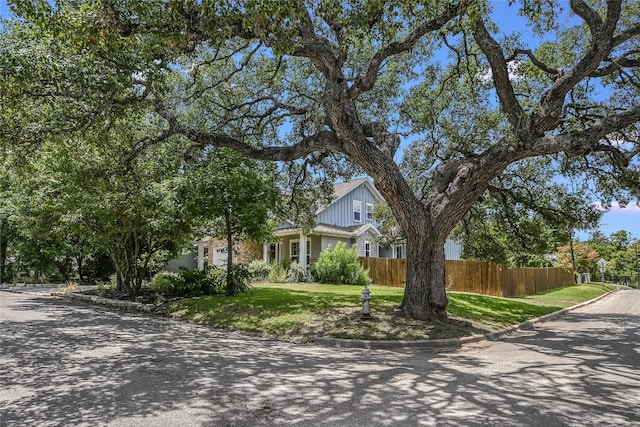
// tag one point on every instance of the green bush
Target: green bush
(203, 282)
(259, 270)
(340, 266)
(168, 283)
(296, 274)
(190, 282)
(108, 286)
(240, 279)
(278, 273)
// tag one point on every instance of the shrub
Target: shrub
(108, 286)
(168, 283)
(190, 282)
(296, 274)
(278, 273)
(340, 266)
(203, 282)
(259, 270)
(240, 279)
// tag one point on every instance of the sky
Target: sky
(614, 220)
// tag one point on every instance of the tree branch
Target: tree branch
(388, 142)
(367, 79)
(553, 72)
(627, 34)
(500, 72)
(325, 55)
(322, 141)
(587, 14)
(579, 143)
(550, 109)
(617, 63)
(457, 179)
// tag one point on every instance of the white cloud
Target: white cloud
(631, 208)
(618, 218)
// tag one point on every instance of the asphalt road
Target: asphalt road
(65, 364)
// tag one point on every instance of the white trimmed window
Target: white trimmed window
(369, 212)
(295, 251)
(399, 251)
(357, 211)
(367, 248)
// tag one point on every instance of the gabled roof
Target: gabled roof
(343, 188)
(367, 227)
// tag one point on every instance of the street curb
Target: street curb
(19, 286)
(450, 342)
(113, 303)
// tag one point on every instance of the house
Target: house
(214, 252)
(348, 219)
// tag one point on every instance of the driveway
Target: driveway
(66, 364)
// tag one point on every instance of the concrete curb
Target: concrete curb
(17, 286)
(450, 342)
(113, 303)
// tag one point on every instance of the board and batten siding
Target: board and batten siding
(316, 245)
(368, 236)
(340, 212)
(333, 241)
(452, 250)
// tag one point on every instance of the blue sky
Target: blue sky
(615, 219)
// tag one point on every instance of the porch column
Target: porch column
(265, 252)
(303, 251)
(201, 255)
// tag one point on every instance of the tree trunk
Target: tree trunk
(119, 281)
(425, 296)
(79, 262)
(3, 257)
(230, 288)
(573, 256)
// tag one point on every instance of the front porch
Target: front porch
(305, 249)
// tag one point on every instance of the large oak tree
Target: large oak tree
(292, 80)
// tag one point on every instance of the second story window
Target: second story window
(369, 212)
(357, 211)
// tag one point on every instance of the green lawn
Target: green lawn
(299, 312)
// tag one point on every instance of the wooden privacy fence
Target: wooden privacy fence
(477, 277)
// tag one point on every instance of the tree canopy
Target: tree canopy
(324, 82)
(233, 198)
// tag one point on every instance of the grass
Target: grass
(300, 312)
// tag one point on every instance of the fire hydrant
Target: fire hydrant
(365, 297)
